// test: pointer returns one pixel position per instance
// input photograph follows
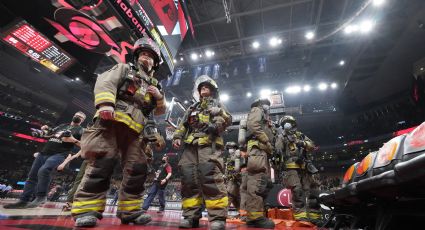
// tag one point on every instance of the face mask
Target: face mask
(287, 126)
(76, 119)
(266, 108)
(163, 161)
(231, 151)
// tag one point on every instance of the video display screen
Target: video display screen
(35, 45)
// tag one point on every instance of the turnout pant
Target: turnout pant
(77, 182)
(304, 193)
(106, 143)
(258, 183)
(233, 190)
(202, 181)
(244, 192)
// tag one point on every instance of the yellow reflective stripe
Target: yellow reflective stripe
(128, 208)
(252, 143)
(255, 215)
(122, 202)
(292, 165)
(180, 130)
(124, 118)
(82, 210)
(300, 215)
(189, 139)
(204, 118)
(89, 202)
(310, 215)
(109, 99)
(204, 140)
(216, 204)
(104, 96)
(315, 216)
(191, 202)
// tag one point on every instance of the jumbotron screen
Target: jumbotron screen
(35, 45)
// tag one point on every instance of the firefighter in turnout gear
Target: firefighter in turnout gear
(233, 174)
(126, 97)
(260, 136)
(298, 170)
(201, 163)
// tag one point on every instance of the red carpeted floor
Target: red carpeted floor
(46, 219)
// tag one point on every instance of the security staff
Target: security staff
(260, 137)
(201, 162)
(298, 170)
(126, 96)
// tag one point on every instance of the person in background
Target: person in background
(61, 140)
(162, 176)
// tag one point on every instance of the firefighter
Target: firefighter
(126, 97)
(201, 162)
(233, 174)
(260, 137)
(298, 170)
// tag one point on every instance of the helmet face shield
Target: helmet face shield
(287, 121)
(204, 80)
(148, 45)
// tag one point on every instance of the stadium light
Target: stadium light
(194, 56)
(309, 35)
(249, 94)
(224, 97)
(334, 85)
(265, 93)
(293, 89)
(307, 88)
(342, 62)
(255, 45)
(366, 26)
(322, 86)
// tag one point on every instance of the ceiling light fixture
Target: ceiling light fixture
(265, 93)
(224, 97)
(274, 41)
(309, 35)
(194, 56)
(367, 26)
(322, 86)
(209, 53)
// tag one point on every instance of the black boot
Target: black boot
(86, 221)
(18, 205)
(189, 223)
(39, 200)
(217, 225)
(139, 218)
(260, 223)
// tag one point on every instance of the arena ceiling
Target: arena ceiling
(377, 64)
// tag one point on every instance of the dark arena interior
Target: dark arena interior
(212, 114)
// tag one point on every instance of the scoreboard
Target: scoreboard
(35, 45)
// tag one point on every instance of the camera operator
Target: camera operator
(61, 140)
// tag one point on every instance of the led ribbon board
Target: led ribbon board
(136, 16)
(35, 45)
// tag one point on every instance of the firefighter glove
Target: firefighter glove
(106, 112)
